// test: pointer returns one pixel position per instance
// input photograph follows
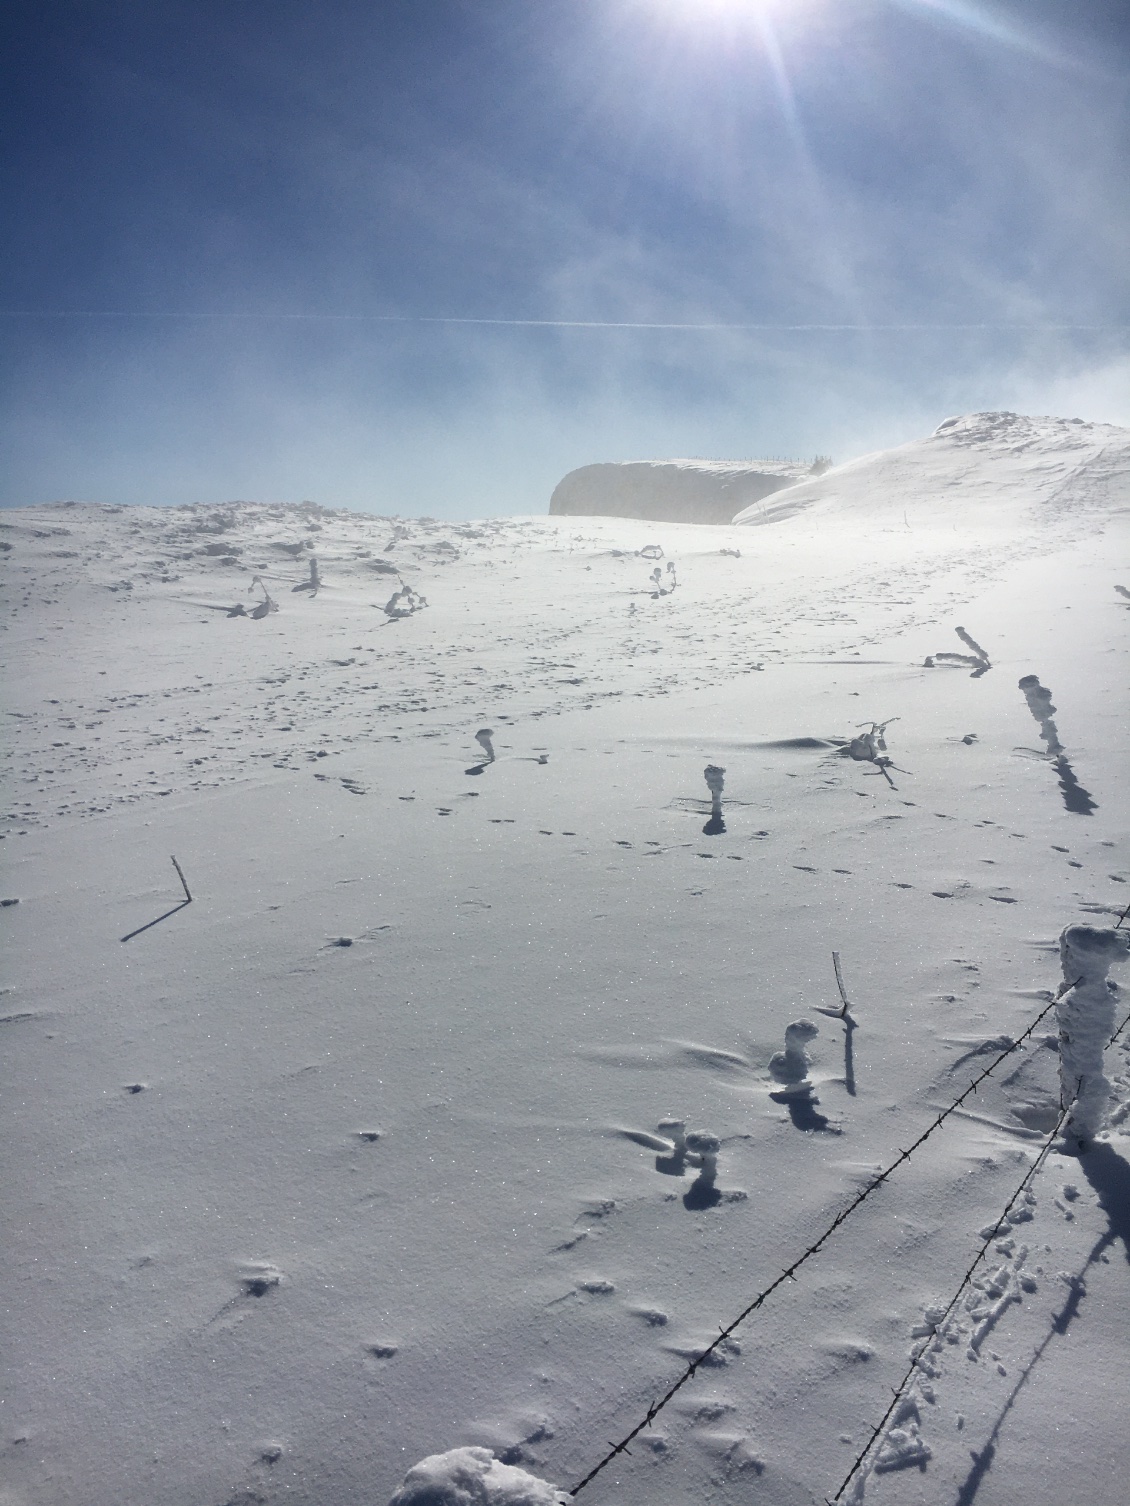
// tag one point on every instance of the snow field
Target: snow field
(288, 1215)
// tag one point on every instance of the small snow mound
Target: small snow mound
(473, 1477)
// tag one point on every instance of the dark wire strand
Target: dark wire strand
(789, 1273)
(936, 1327)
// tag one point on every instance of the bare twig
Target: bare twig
(187, 900)
(840, 985)
(180, 875)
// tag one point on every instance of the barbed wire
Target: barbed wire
(789, 1274)
(1119, 1031)
(936, 1325)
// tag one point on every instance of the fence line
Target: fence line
(789, 1274)
(936, 1327)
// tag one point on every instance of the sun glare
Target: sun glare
(730, 15)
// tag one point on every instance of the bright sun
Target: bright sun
(729, 10)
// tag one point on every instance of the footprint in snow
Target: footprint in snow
(382, 1349)
(259, 1280)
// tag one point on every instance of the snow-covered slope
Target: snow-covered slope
(992, 461)
(354, 1159)
(671, 491)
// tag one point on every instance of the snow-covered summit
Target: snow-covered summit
(1022, 431)
(977, 467)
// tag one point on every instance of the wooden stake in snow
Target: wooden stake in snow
(1085, 1015)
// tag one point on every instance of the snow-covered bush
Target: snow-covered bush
(473, 1477)
(790, 1066)
(702, 1151)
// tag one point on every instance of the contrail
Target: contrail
(545, 323)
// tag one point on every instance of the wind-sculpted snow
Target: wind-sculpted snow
(1012, 467)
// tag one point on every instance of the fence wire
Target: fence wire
(936, 1327)
(789, 1274)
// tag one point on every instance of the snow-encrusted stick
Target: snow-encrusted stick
(974, 645)
(857, 1469)
(1086, 1019)
(715, 783)
(789, 1273)
(1039, 700)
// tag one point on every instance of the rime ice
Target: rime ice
(473, 1477)
(715, 783)
(1086, 1023)
(790, 1066)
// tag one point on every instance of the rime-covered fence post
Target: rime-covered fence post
(715, 783)
(1085, 1015)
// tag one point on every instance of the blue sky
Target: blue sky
(406, 255)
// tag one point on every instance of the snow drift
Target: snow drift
(995, 461)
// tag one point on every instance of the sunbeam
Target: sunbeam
(981, 21)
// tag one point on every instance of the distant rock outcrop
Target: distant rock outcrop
(672, 491)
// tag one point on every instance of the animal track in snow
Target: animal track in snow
(382, 1349)
(259, 1278)
(654, 1317)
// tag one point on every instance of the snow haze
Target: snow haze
(428, 260)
